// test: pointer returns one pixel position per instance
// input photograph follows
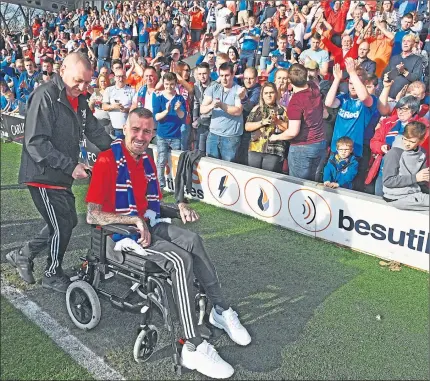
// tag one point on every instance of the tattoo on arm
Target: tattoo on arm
(97, 217)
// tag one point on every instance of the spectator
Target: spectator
(336, 16)
(117, 100)
(146, 94)
(281, 82)
(226, 39)
(388, 14)
(342, 166)
(226, 127)
(201, 122)
(267, 43)
(196, 13)
(250, 37)
(363, 61)
(406, 111)
(26, 81)
(404, 68)
(380, 46)
(355, 108)
(102, 49)
(405, 171)
(253, 89)
(305, 126)
(234, 59)
(265, 120)
(281, 20)
(96, 101)
(315, 53)
(185, 88)
(170, 113)
(405, 29)
(223, 15)
(278, 58)
(12, 105)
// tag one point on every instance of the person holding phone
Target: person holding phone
(117, 101)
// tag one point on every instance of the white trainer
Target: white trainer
(229, 322)
(205, 359)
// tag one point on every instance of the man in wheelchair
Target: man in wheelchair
(123, 188)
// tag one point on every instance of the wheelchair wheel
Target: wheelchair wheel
(83, 305)
(145, 343)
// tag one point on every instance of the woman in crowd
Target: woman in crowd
(407, 111)
(233, 55)
(266, 119)
(96, 100)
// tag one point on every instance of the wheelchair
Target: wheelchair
(148, 287)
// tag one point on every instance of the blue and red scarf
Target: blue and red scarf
(124, 197)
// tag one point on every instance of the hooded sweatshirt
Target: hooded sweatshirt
(400, 169)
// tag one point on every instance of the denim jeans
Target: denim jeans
(101, 63)
(185, 137)
(154, 50)
(263, 63)
(195, 35)
(378, 185)
(163, 147)
(222, 147)
(304, 161)
(201, 137)
(247, 57)
(143, 49)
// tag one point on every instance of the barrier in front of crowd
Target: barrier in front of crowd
(362, 222)
(356, 220)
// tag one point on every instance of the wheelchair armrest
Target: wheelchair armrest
(169, 211)
(120, 229)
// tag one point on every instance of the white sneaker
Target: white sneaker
(229, 322)
(205, 359)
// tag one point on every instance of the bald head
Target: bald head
(76, 73)
(77, 58)
(363, 50)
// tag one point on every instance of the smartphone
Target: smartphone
(393, 74)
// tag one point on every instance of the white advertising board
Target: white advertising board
(359, 221)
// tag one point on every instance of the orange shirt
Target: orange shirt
(152, 34)
(96, 32)
(380, 52)
(135, 81)
(196, 19)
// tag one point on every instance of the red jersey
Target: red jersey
(103, 181)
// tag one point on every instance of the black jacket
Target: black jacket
(52, 133)
(184, 173)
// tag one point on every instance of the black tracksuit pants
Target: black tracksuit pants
(57, 207)
(181, 253)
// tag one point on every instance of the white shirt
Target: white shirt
(124, 96)
(224, 42)
(221, 16)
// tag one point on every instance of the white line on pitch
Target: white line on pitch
(83, 355)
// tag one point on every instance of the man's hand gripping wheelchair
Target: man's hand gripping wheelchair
(150, 286)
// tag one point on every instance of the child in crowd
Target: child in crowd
(405, 172)
(12, 105)
(342, 166)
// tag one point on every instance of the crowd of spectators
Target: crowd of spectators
(319, 90)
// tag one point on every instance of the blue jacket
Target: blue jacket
(24, 93)
(339, 171)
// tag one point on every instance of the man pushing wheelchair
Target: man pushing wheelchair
(124, 189)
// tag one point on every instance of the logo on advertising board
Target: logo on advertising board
(223, 186)
(309, 210)
(263, 197)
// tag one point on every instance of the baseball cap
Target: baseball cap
(221, 2)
